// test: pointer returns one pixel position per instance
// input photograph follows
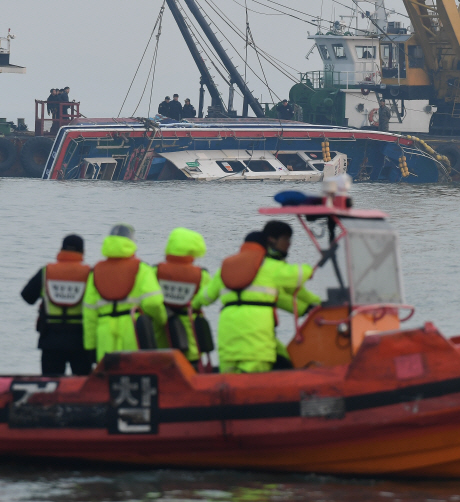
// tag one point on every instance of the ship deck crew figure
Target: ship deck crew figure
(115, 287)
(248, 286)
(384, 116)
(175, 108)
(61, 286)
(164, 107)
(284, 110)
(188, 110)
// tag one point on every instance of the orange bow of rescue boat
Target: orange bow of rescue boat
(365, 396)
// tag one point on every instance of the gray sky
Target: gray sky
(94, 47)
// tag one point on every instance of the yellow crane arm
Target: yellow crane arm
(437, 25)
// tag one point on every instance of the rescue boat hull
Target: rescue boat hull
(394, 410)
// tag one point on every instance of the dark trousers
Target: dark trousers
(54, 361)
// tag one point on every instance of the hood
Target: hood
(185, 242)
(115, 246)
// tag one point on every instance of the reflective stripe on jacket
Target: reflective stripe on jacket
(63, 286)
(247, 332)
(108, 326)
(160, 332)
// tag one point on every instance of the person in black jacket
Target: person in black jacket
(50, 106)
(188, 110)
(61, 286)
(64, 96)
(284, 110)
(164, 107)
(175, 108)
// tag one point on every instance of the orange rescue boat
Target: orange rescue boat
(365, 396)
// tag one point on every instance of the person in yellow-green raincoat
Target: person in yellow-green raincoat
(180, 281)
(248, 285)
(279, 234)
(115, 286)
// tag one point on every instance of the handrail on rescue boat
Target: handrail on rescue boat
(379, 310)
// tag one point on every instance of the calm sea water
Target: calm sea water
(36, 215)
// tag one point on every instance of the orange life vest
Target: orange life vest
(114, 278)
(179, 280)
(239, 270)
(65, 281)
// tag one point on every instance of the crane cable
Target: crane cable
(265, 55)
(270, 59)
(154, 62)
(248, 29)
(196, 34)
(152, 65)
(246, 44)
(237, 31)
(232, 46)
(160, 15)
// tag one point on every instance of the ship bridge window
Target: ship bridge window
(231, 166)
(416, 59)
(259, 166)
(324, 53)
(293, 162)
(339, 51)
(366, 51)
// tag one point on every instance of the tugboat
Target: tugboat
(365, 396)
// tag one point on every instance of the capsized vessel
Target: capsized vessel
(365, 396)
(164, 149)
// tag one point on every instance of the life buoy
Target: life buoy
(374, 117)
(114, 278)
(7, 154)
(238, 271)
(34, 155)
(179, 280)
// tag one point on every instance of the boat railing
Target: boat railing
(323, 79)
(60, 114)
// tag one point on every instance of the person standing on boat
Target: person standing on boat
(61, 286)
(115, 288)
(384, 116)
(248, 285)
(175, 108)
(65, 99)
(284, 110)
(180, 281)
(188, 110)
(164, 107)
(279, 234)
(51, 107)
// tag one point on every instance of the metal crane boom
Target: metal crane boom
(206, 78)
(437, 29)
(235, 76)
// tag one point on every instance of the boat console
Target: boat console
(362, 252)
